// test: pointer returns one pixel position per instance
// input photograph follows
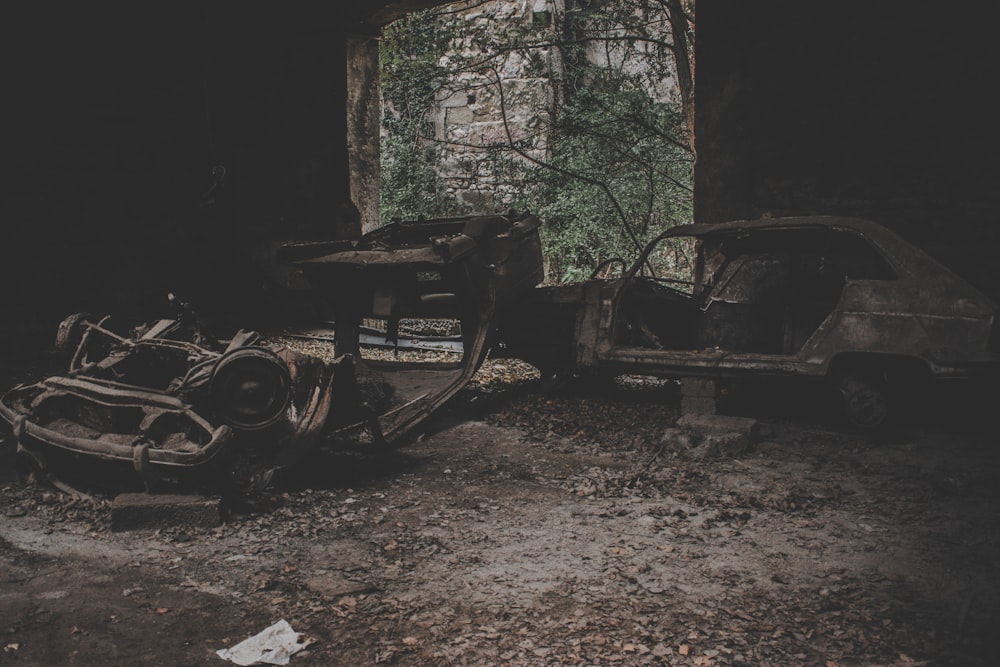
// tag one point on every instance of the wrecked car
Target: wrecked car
(416, 303)
(160, 402)
(170, 403)
(838, 298)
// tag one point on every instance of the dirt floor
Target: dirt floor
(525, 527)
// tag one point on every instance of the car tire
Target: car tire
(71, 330)
(866, 400)
(251, 388)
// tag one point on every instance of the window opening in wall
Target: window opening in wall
(582, 117)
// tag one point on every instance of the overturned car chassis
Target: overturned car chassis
(170, 403)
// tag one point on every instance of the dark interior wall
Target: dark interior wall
(277, 96)
(113, 120)
(105, 142)
(885, 109)
(113, 123)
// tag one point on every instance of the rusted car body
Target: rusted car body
(832, 297)
(462, 273)
(163, 401)
(171, 403)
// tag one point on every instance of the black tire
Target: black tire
(250, 388)
(70, 332)
(867, 402)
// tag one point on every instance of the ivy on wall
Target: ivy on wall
(410, 77)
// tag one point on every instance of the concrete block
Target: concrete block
(723, 445)
(133, 511)
(680, 440)
(697, 405)
(698, 396)
(695, 386)
(710, 436)
(711, 423)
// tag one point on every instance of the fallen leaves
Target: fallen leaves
(666, 570)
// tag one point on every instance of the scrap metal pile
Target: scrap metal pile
(166, 400)
(839, 300)
(170, 404)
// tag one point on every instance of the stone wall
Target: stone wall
(470, 117)
(473, 115)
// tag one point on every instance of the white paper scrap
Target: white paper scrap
(273, 646)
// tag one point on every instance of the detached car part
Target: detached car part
(169, 403)
(459, 275)
(163, 402)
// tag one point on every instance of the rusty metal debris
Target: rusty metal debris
(170, 403)
(417, 305)
(838, 298)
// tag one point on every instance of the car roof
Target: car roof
(908, 260)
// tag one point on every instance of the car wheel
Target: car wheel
(71, 330)
(250, 388)
(866, 401)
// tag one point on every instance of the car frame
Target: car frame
(469, 270)
(170, 404)
(839, 298)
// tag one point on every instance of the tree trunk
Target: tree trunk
(684, 59)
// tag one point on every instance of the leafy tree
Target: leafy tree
(606, 165)
(410, 77)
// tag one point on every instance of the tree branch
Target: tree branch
(566, 172)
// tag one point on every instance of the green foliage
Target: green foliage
(411, 185)
(606, 168)
(614, 180)
(409, 69)
(410, 77)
